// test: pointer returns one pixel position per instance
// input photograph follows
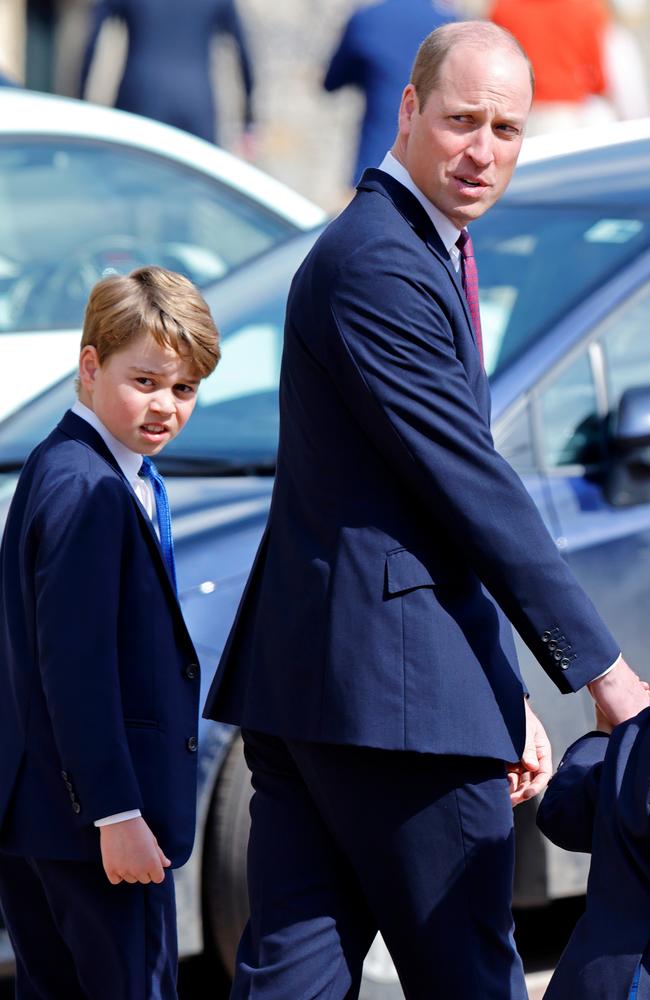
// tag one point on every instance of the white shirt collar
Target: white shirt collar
(128, 461)
(446, 230)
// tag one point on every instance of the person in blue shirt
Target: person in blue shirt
(167, 72)
(375, 53)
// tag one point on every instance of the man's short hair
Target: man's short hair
(151, 300)
(436, 47)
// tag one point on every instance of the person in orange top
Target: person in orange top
(565, 40)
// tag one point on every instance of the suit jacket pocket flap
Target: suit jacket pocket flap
(404, 571)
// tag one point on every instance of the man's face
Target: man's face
(462, 148)
(143, 394)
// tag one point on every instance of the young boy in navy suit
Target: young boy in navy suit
(599, 802)
(99, 680)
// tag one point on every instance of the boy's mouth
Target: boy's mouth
(154, 428)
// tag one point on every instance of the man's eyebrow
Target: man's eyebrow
(151, 371)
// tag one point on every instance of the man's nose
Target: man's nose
(481, 148)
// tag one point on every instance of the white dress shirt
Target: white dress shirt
(129, 463)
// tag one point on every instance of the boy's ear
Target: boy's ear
(88, 367)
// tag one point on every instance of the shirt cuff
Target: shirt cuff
(118, 817)
(605, 672)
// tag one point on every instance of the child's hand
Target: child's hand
(130, 852)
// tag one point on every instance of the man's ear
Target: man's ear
(408, 108)
(88, 367)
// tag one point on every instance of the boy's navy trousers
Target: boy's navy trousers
(78, 937)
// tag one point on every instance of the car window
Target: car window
(514, 440)
(538, 262)
(571, 426)
(626, 344)
(73, 211)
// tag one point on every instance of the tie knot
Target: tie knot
(148, 470)
(464, 244)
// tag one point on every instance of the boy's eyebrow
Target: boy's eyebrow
(151, 371)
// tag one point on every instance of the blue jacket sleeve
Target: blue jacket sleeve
(567, 810)
(346, 65)
(77, 570)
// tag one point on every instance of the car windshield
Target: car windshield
(536, 262)
(74, 210)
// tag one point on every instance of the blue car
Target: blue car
(564, 262)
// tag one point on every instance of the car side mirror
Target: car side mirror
(628, 478)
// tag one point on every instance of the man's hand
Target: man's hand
(130, 852)
(533, 772)
(620, 694)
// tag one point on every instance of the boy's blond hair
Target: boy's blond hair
(151, 300)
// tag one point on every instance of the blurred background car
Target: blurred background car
(87, 191)
(564, 263)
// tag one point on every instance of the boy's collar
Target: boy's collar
(128, 461)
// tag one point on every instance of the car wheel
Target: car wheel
(226, 895)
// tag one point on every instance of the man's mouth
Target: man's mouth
(470, 182)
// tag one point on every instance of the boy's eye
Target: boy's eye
(184, 390)
(143, 380)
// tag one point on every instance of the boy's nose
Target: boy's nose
(162, 402)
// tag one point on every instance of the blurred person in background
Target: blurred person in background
(167, 74)
(375, 54)
(566, 41)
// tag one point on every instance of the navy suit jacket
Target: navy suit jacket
(167, 73)
(599, 802)
(97, 700)
(365, 619)
(375, 54)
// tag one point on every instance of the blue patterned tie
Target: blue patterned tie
(150, 472)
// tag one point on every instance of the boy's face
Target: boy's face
(143, 394)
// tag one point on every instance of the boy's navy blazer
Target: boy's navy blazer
(365, 619)
(99, 677)
(599, 802)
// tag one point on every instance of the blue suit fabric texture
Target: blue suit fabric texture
(599, 802)
(167, 75)
(99, 712)
(366, 621)
(375, 54)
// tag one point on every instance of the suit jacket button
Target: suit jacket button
(76, 808)
(192, 671)
(565, 663)
(192, 744)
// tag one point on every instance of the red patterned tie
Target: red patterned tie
(469, 276)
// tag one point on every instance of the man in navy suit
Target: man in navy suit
(370, 664)
(99, 681)
(375, 54)
(599, 802)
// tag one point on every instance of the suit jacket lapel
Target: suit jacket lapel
(80, 430)
(412, 211)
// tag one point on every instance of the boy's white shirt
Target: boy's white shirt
(130, 463)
